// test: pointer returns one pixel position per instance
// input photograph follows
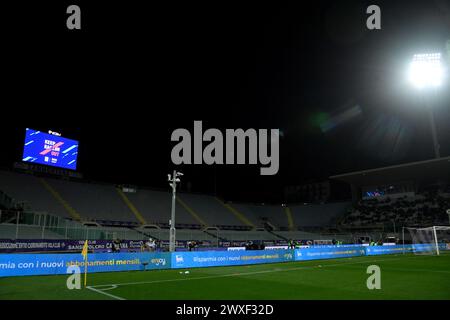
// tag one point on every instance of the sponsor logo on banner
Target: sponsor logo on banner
(226, 258)
(236, 248)
(158, 262)
(288, 256)
(328, 252)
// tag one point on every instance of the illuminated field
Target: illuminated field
(402, 277)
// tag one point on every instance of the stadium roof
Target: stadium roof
(422, 171)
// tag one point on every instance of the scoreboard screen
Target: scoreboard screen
(50, 150)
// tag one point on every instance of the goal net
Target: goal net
(432, 240)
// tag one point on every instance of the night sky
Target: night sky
(134, 73)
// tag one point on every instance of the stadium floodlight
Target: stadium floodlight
(173, 179)
(426, 70)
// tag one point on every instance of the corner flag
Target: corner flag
(84, 253)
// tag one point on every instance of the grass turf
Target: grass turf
(402, 277)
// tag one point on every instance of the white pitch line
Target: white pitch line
(111, 287)
(244, 273)
(419, 270)
(105, 293)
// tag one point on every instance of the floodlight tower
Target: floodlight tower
(173, 179)
(426, 72)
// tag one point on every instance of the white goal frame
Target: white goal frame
(433, 230)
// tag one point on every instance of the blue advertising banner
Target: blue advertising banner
(423, 247)
(376, 250)
(51, 264)
(48, 264)
(229, 258)
(329, 252)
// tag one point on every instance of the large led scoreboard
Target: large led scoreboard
(50, 149)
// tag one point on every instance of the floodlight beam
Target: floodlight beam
(427, 72)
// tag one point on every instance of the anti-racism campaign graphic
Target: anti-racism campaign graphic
(50, 150)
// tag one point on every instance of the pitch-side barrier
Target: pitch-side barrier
(30, 264)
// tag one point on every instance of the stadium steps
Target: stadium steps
(145, 233)
(11, 220)
(6, 202)
(192, 212)
(214, 235)
(341, 219)
(277, 235)
(72, 212)
(290, 219)
(8, 231)
(131, 206)
(238, 214)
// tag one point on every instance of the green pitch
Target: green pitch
(402, 277)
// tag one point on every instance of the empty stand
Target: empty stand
(211, 210)
(247, 235)
(9, 231)
(28, 189)
(93, 201)
(258, 213)
(319, 215)
(108, 204)
(155, 207)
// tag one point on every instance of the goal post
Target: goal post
(436, 240)
(433, 240)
